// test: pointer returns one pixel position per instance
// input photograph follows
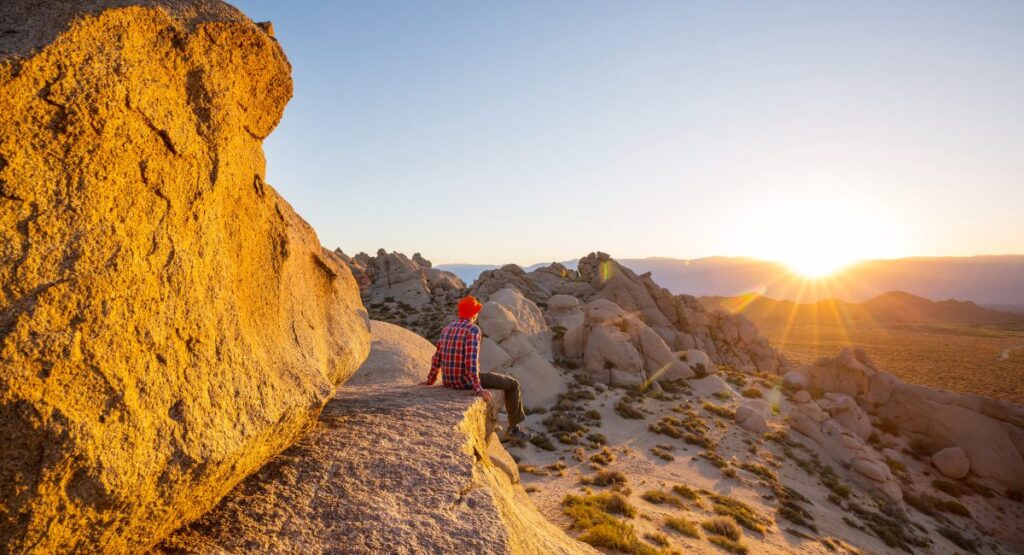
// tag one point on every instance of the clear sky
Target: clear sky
(522, 131)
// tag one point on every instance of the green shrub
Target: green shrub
(890, 525)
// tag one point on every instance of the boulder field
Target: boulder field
(622, 376)
(168, 323)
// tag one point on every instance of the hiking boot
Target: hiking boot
(519, 433)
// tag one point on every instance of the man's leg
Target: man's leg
(513, 396)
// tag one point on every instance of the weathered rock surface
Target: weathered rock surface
(682, 321)
(952, 462)
(386, 470)
(397, 356)
(617, 347)
(414, 282)
(168, 323)
(842, 445)
(847, 413)
(751, 419)
(989, 431)
(408, 292)
(518, 343)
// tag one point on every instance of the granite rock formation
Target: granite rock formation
(387, 469)
(988, 432)
(168, 323)
(408, 292)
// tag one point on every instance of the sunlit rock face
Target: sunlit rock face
(168, 323)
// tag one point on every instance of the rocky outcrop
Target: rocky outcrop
(407, 292)
(420, 482)
(618, 348)
(683, 322)
(517, 342)
(397, 356)
(168, 323)
(394, 277)
(990, 432)
(843, 446)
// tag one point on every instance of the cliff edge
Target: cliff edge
(387, 469)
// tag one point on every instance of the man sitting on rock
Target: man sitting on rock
(457, 357)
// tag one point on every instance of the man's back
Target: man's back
(457, 355)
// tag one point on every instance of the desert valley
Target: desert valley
(186, 368)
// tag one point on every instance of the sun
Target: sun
(815, 239)
(816, 265)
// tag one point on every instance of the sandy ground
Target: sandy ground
(992, 520)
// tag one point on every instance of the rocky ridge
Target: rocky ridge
(405, 291)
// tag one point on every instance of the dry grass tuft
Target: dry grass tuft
(722, 526)
(683, 526)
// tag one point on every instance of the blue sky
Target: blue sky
(530, 131)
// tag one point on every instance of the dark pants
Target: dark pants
(513, 396)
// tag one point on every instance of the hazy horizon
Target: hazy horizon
(803, 132)
(525, 263)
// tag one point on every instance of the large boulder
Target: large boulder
(517, 342)
(168, 323)
(618, 348)
(750, 418)
(397, 356)
(952, 462)
(989, 432)
(847, 373)
(847, 413)
(992, 446)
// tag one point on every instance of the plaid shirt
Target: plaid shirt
(457, 356)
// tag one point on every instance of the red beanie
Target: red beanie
(469, 307)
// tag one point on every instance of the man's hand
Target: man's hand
(485, 394)
(427, 383)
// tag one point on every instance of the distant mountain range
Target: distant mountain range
(996, 281)
(894, 307)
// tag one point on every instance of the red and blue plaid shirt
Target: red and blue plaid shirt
(457, 356)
